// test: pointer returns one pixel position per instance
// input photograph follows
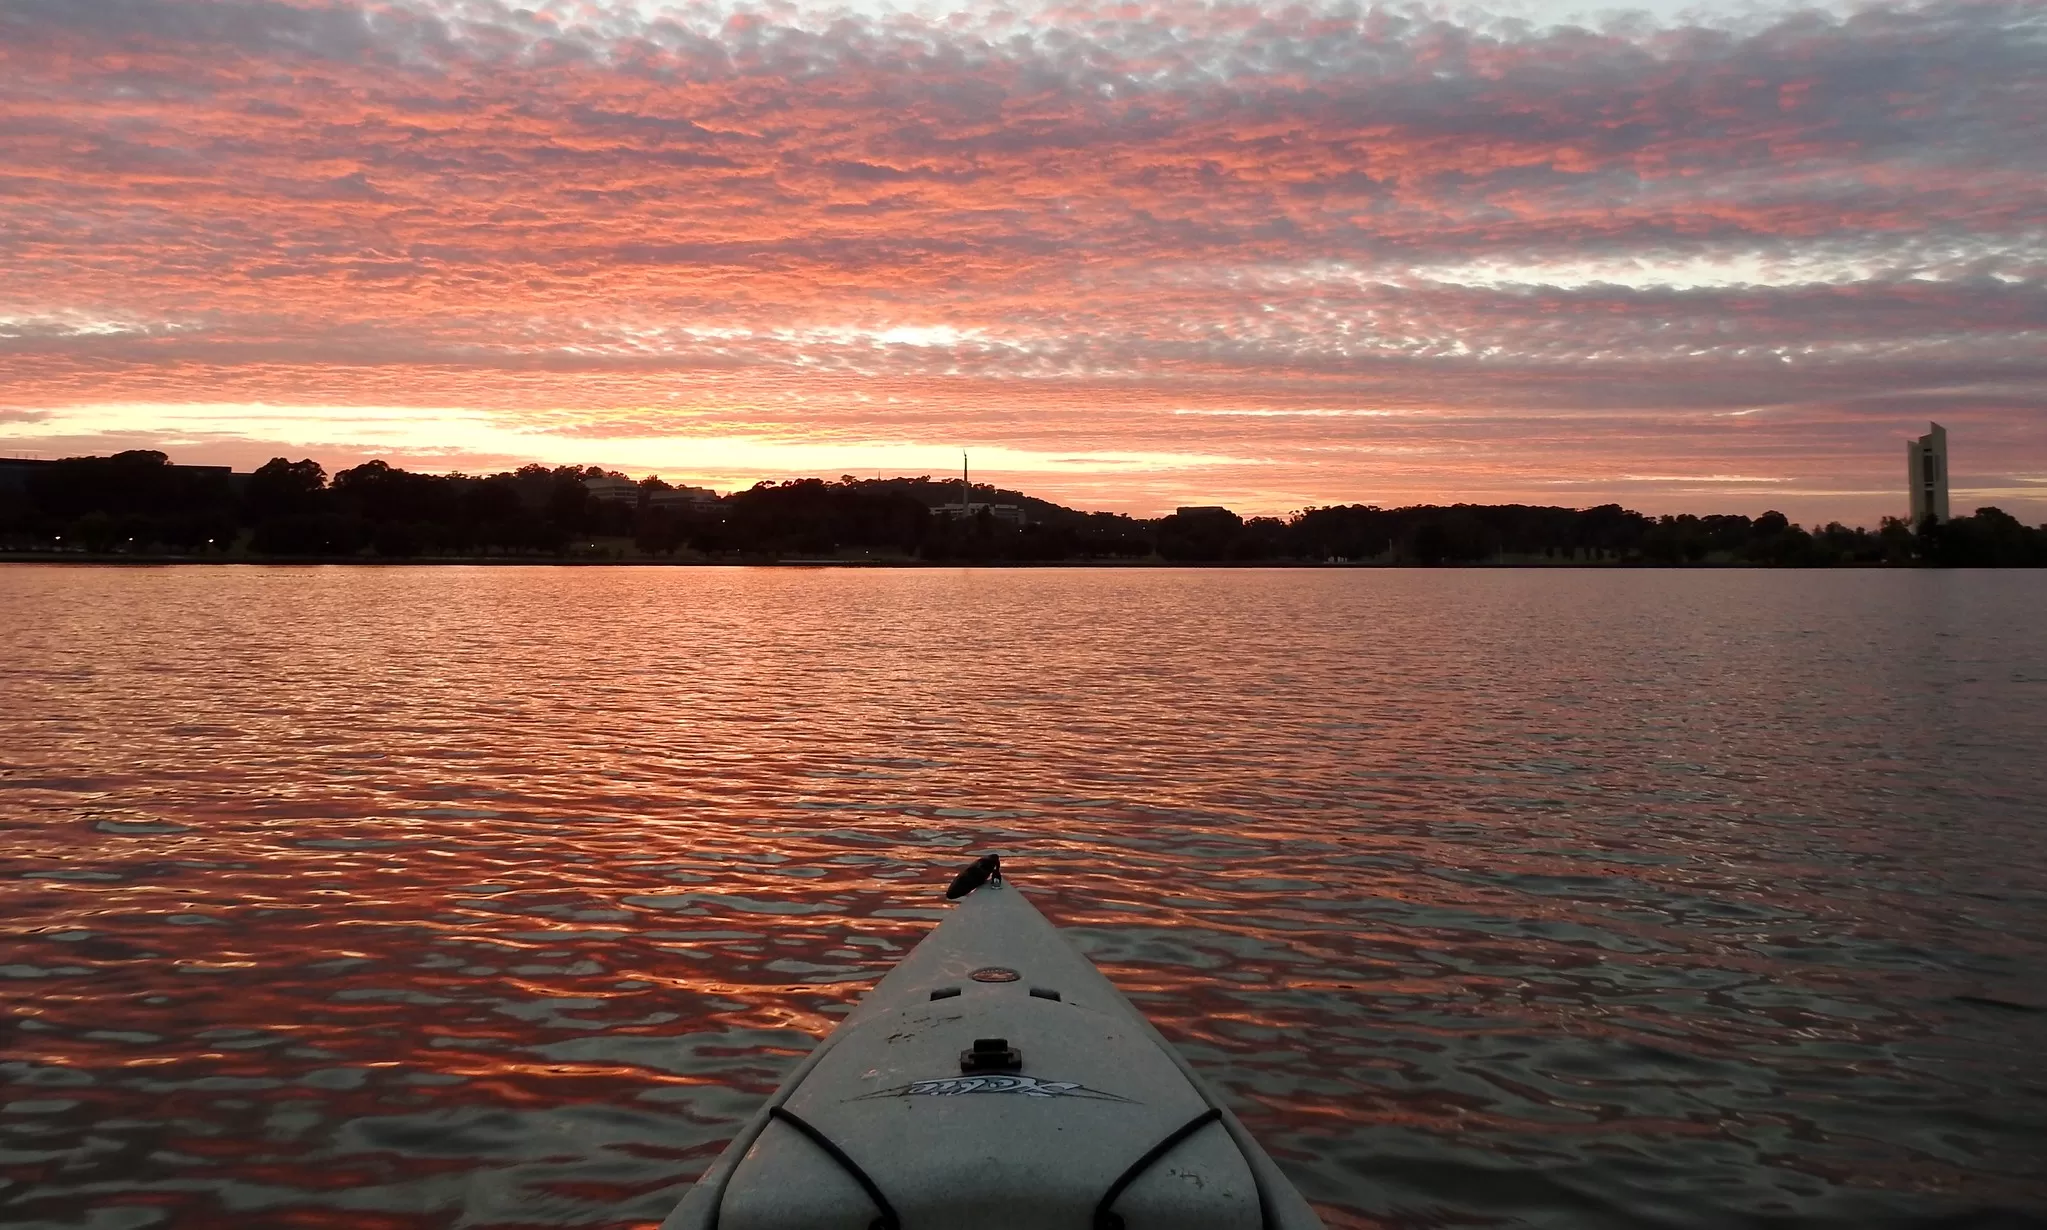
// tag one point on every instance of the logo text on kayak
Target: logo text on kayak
(1023, 1086)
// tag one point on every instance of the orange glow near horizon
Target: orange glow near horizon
(1130, 256)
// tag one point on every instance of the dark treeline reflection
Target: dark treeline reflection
(139, 503)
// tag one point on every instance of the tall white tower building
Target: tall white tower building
(1926, 474)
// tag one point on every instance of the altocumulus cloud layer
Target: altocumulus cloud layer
(1132, 254)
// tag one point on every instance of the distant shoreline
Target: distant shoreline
(325, 561)
(138, 508)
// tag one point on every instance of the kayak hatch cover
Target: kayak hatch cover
(994, 1079)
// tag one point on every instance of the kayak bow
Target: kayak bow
(993, 1079)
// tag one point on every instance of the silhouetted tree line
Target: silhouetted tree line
(138, 502)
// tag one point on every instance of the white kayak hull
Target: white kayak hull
(909, 1117)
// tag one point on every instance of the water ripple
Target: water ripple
(429, 897)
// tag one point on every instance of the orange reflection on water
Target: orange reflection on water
(434, 896)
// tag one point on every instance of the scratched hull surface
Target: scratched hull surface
(414, 897)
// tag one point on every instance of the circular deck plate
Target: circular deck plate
(994, 973)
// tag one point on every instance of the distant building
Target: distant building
(618, 489)
(698, 498)
(16, 473)
(1203, 510)
(1926, 474)
(1008, 514)
(614, 487)
(966, 508)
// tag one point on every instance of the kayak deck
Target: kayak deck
(995, 1079)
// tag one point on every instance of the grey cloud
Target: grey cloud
(657, 128)
(260, 28)
(354, 186)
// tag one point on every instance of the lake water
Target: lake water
(423, 897)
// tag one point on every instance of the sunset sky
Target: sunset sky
(1707, 258)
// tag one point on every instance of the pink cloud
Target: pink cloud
(1527, 252)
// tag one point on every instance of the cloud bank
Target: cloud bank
(1138, 253)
